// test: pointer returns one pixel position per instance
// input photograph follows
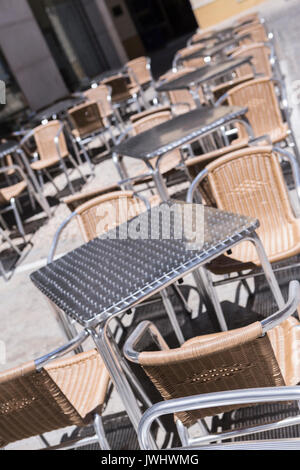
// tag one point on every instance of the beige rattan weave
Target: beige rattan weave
(237, 359)
(66, 393)
(264, 114)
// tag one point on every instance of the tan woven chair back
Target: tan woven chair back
(237, 359)
(44, 136)
(62, 394)
(180, 96)
(171, 159)
(139, 71)
(260, 59)
(86, 118)
(119, 87)
(106, 212)
(264, 114)
(101, 95)
(251, 182)
(150, 121)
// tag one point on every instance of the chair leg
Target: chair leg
(99, 429)
(77, 167)
(51, 180)
(18, 218)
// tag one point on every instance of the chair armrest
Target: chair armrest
(62, 351)
(57, 236)
(129, 349)
(219, 399)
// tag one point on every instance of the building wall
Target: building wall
(28, 55)
(211, 12)
(126, 29)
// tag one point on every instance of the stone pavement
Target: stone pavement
(28, 327)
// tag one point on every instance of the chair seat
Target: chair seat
(47, 162)
(6, 194)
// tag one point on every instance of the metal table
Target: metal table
(117, 271)
(202, 76)
(209, 52)
(57, 110)
(12, 147)
(161, 139)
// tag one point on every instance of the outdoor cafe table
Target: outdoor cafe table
(57, 110)
(192, 81)
(118, 270)
(12, 147)
(172, 134)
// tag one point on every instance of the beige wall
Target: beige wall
(211, 12)
(126, 29)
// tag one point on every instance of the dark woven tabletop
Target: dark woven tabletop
(8, 147)
(178, 131)
(109, 275)
(203, 74)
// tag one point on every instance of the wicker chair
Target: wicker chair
(188, 63)
(11, 191)
(123, 92)
(251, 182)
(139, 71)
(108, 211)
(88, 124)
(52, 150)
(261, 55)
(101, 94)
(46, 395)
(95, 217)
(253, 34)
(264, 113)
(263, 354)
(248, 19)
(172, 159)
(181, 101)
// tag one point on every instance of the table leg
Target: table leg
(267, 268)
(113, 360)
(172, 316)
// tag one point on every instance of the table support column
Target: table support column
(113, 360)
